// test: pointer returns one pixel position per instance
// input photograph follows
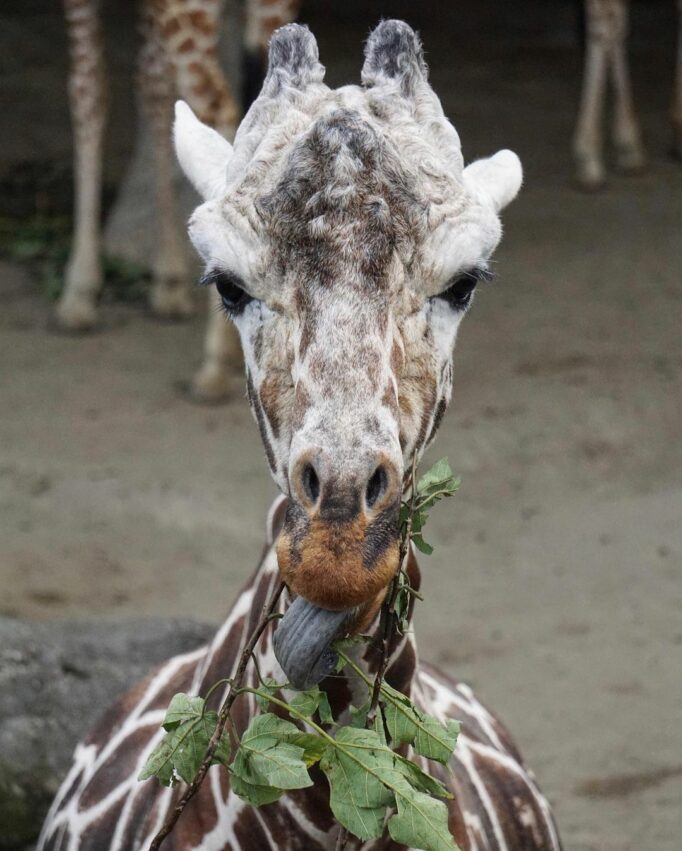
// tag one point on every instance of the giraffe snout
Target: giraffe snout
(341, 496)
(339, 544)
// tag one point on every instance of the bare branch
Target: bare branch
(389, 620)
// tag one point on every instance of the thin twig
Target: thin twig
(345, 840)
(223, 716)
(387, 627)
(388, 622)
(341, 839)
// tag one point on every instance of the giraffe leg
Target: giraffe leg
(221, 345)
(627, 137)
(76, 309)
(190, 33)
(676, 111)
(171, 294)
(588, 140)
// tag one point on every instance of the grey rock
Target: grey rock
(55, 681)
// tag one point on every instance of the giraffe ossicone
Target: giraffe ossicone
(345, 237)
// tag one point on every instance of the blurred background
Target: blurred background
(555, 586)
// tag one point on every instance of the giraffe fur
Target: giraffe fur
(345, 238)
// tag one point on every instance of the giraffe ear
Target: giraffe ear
(202, 152)
(497, 178)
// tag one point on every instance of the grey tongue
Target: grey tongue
(302, 640)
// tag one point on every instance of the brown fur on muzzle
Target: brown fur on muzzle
(338, 565)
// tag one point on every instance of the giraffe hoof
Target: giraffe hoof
(76, 316)
(212, 385)
(589, 175)
(631, 159)
(173, 303)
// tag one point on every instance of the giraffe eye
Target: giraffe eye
(231, 291)
(459, 292)
(461, 289)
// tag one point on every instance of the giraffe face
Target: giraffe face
(346, 240)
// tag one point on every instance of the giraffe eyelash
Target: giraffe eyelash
(460, 290)
(231, 290)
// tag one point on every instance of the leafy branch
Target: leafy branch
(215, 747)
(372, 787)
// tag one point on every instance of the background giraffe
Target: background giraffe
(606, 55)
(178, 56)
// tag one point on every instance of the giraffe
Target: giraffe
(345, 238)
(179, 53)
(607, 26)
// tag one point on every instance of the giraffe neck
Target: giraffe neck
(101, 804)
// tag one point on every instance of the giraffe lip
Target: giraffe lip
(302, 642)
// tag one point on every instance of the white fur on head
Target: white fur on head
(497, 178)
(202, 152)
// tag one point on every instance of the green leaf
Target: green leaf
(401, 605)
(182, 750)
(313, 746)
(365, 777)
(418, 778)
(358, 798)
(306, 702)
(191, 740)
(422, 545)
(254, 794)
(409, 725)
(269, 686)
(266, 758)
(421, 821)
(358, 714)
(324, 709)
(183, 707)
(159, 764)
(378, 727)
(436, 484)
(435, 477)
(436, 741)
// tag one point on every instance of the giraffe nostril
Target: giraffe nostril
(376, 486)
(311, 483)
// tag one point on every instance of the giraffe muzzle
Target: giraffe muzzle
(338, 547)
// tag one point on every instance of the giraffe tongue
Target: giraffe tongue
(302, 640)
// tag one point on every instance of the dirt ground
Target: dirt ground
(556, 584)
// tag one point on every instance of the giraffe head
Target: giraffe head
(346, 238)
